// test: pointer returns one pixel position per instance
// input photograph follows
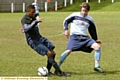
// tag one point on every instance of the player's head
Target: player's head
(31, 10)
(85, 7)
(35, 1)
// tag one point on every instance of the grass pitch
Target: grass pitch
(18, 59)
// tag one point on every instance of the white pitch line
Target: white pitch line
(56, 35)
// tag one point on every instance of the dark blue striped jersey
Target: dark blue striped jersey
(30, 27)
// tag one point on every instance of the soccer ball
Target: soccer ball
(42, 71)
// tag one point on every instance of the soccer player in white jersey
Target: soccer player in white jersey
(36, 8)
(79, 40)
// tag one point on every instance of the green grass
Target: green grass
(18, 59)
(104, 6)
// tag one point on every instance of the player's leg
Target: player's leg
(64, 56)
(50, 55)
(42, 50)
(49, 66)
(51, 61)
(73, 45)
(97, 56)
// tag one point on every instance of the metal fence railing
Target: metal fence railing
(20, 5)
(17, 5)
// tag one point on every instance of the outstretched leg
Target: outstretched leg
(63, 57)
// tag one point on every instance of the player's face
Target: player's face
(35, 1)
(31, 12)
(84, 11)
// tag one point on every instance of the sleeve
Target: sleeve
(68, 20)
(92, 31)
(26, 26)
(33, 3)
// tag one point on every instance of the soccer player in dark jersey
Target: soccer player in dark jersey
(38, 43)
(79, 40)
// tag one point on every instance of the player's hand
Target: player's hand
(98, 41)
(39, 19)
(22, 30)
(66, 34)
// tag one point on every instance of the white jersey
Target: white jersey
(36, 7)
(79, 24)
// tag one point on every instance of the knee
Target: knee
(50, 53)
(68, 51)
(96, 46)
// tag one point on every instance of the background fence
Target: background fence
(5, 5)
(20, 5)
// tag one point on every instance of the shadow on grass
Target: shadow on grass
(105, 73)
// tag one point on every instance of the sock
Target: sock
(54, 64)
(62, 58)
(97, 63)
(49, 65)
(97, 57)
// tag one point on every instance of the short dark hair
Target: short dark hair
(30, 7)
(85, 5)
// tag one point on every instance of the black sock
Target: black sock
(49, 65)
(54, 64)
